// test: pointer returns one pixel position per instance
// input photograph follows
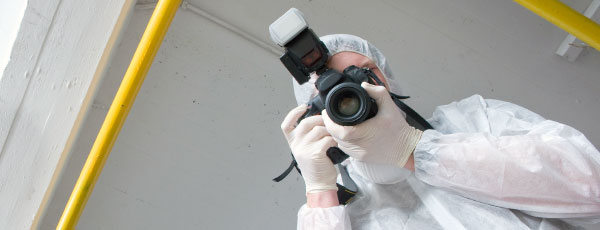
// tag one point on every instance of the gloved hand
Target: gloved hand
(309, 142)
(385, 138)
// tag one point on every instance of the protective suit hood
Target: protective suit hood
(337, 43)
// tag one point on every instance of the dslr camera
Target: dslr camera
(340, 94)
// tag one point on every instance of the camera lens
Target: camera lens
(349, 104)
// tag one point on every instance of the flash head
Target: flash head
(304, 51)
(286, 27)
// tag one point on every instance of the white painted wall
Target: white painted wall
(202, 142)
(11, 13)
(58, 53)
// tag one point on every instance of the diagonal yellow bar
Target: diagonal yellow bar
(567, 19)
(132, 81)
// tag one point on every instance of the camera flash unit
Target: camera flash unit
(286, 27)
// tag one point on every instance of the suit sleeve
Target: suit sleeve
(333, 218)
(504, 155)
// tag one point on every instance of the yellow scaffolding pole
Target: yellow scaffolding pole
(132, 81)
(567, 19)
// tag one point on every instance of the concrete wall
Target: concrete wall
(58, 52)
(202, 141)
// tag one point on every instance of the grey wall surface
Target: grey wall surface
(202, 141)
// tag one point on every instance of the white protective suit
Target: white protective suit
(488, 164)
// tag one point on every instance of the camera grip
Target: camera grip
(336, 155)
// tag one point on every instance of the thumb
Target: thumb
(379, 93)
(331, 126)
(338, 132)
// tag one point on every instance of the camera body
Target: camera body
(340, 94)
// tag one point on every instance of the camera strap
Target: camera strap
(347, 191)
(285, 173)
(412, 117)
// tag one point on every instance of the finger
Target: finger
(379, 93)
(290, 120)
(338, 131)
(317, 133)
(309, 123)
(327, 142)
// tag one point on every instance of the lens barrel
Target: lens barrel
(349, 104)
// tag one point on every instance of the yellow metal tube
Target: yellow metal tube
(567, 19)
(132, 81)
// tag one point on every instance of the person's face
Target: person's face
(342, 60)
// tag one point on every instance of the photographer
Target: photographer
(487, 164)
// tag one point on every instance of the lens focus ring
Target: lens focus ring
(348, 104)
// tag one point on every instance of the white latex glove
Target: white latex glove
(385, 138)
(309, 142)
